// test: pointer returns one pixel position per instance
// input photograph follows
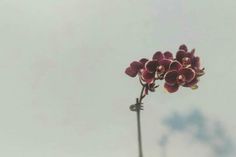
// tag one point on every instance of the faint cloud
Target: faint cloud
(210, 133)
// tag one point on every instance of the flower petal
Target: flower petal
(158, 56)
(147, 76)
(166, 63)
(136, 65)
(175, 65)
(143, 61)
(189, 55)
(180, 55)
(192, 83)
(151, 66)
(131, 72)
(192, 51)
(170, 77)
(188, 73)
(196, 62)
(168, 55)
(183, 47)
(171, 88)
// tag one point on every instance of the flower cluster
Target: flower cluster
(183, 70)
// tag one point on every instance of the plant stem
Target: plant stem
(138, 107)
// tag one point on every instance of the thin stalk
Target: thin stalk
(138, 108)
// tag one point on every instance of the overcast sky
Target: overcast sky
(63, 91)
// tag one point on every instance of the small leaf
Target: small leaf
(194, 87)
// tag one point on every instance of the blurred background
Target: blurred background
(63, 91)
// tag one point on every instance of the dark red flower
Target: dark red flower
(188, 59)
(139, 68)
(159, 65)
(151, 66)
(178, 75)
(136, 67)
(192, 83)
(184, 70)
(163, 66)
(162, 62)
(160, 56)
(148, 77)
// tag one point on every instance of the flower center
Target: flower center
(186, 61)
(181, 79)
(161, 69)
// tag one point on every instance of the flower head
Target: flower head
(184, 70)
(135, 67)
(188, 59)
(178, 75)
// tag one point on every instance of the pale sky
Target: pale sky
(63, 91)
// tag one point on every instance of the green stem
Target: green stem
(138, 103)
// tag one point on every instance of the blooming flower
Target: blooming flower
(136, 67)
(148, 77)
(139, 68)
(164, 60)
(178, 75)
(184, 70)
(158, 65)
(160, 62)
(160, 56)
(189, 59)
